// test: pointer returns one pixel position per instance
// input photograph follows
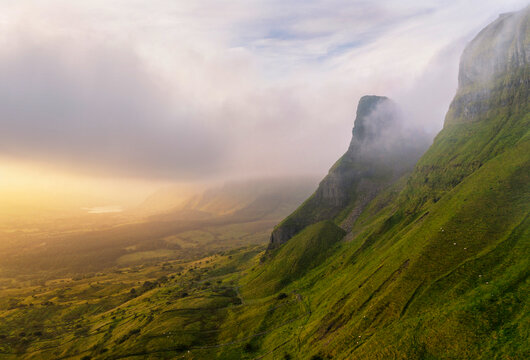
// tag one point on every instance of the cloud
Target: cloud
(206, 89)
(97, 108)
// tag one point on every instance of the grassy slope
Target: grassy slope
(300, 254)
(422, 291)
(175, 307)
(399, 288)
(440, 270)
(436, 267)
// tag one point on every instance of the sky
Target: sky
(130, 94)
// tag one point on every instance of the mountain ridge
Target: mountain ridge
(435, 265)
(381, 150)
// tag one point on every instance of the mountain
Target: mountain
(163, 200)
(386, 260)
(435, 264)
(263, 198)
(382, 149)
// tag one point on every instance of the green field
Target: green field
(434, 265)
(186, 309)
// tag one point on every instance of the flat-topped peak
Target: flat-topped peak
(374, 113)
(369, 103)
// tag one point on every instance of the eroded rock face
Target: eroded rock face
(501, 47)
(375, 116)
(333, 190)
(281, 234)
(380, 151)
(497, 59)
(490, 107)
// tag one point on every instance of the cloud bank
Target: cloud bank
(207, 89)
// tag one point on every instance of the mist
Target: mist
(190, 96)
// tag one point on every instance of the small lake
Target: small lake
(103, 209)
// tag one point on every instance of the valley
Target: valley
(406, 249)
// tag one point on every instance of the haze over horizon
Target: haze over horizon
(112, 99)
(264, 179)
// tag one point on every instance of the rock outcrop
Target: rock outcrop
(497, 60)
(490, 108)
(381, 150)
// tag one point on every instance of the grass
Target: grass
(141, 256)
(435, 267)
(299, 255)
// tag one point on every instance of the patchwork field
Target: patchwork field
(167, 310)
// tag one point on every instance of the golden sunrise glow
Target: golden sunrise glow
(30, 188)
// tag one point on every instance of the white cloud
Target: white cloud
(194, 89)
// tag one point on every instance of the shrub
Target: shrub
(281, 296)
(249, 347)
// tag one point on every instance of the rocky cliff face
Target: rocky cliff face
(497, 60)
(374, 114)
(438, 267)
(488, 113)
(501, 47)
(380, 151)
(494, 75)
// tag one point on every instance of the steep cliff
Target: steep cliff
(436, 265)
(488, 114)
(381, 150)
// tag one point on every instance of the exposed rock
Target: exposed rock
(494, 83)
(380, 151)
(502, 48)
(499, 48)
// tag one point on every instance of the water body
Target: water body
(103, 209)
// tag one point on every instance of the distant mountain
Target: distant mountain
(434, 265)
(382, 149)
(264, 198)
(163, 200)
(389, 259)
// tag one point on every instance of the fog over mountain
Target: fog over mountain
(264, 179)
(180, 91)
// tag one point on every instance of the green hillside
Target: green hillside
(437, 266)
(300, 254)
(381, 151)
(385, 260)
